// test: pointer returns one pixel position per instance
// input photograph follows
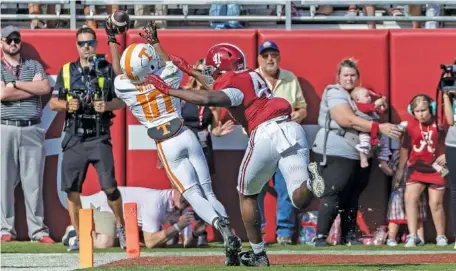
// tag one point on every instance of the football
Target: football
(120, 21)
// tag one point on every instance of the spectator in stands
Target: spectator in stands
(334, 148)
(431, 11)
(352, 11)
(155, 209)
(422, 162)
(204, 121)
(225, 10)
(283, 84)
(450, 150)
(157, 10)
(36, 23)
(93, 23)
(23, 82)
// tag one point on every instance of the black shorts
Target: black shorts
(79, 153)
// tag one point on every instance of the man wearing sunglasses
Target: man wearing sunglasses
(23, 82)
(87, 128)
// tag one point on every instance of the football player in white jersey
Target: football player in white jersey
(178, 148)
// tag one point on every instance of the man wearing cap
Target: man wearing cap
(283, 84)
(23, 82)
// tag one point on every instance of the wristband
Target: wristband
(178, 229)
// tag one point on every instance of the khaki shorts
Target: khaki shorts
(105, 223)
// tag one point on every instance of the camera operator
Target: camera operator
(449, 109)
(84, 90)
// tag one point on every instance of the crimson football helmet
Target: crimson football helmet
(224, 57)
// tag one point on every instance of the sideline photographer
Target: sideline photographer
(447, 85)
(84, 90)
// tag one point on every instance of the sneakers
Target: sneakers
(316, 182)
(202, 241)
(412, 240)
(391, 243)
(320, 241)
(350, 241)
(284, 240)
(8, 238)
(73, 244)
(251, 259)
(441, 241)
(69, 232)
(231, 241)
(46, 240)
(121, 234)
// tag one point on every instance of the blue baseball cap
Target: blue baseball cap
(268, 45)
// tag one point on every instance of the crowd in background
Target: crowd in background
(227, 10)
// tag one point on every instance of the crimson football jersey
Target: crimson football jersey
(258, 105)
(424, 144)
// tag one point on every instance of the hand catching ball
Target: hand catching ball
(119, 22)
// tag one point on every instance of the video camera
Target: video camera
(448, 78)
(99, 65)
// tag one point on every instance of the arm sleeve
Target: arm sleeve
(335, 97)
(300, 100)
(171, 75)
(58, 84)
(151, 219)
(366, 108)
(39, 69)
(236, 96)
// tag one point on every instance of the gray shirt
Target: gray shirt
(336, 145)
(450, 139)
(26, 109)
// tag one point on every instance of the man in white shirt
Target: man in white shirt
(155, 208)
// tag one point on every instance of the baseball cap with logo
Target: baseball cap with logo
(268, 45)
(8, 30)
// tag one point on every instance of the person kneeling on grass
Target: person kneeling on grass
(155, 209)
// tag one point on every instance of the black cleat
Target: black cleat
(232, 242)
(251, 259)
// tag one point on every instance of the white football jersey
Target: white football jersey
(151, 107)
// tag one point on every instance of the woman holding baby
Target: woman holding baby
(337, 147)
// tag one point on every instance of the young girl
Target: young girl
(421, 150)
(389, 162)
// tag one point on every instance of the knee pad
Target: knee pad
(115, 195)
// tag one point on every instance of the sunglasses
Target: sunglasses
(91, 43)
(9, 40)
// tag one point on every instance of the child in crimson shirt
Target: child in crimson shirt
(364, 103)
(421, 151)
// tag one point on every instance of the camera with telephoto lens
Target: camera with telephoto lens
(448, 78)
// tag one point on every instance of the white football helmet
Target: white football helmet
(138, 60)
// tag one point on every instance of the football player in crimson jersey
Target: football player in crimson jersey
(275, 141)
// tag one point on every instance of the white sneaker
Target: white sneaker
(391, 243)
(73, 244)
(412, 240)
(441, 241)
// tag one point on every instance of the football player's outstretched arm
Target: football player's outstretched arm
(183, 65)
(151, 36)
(225, 98)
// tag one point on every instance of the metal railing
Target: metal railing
(287, 18)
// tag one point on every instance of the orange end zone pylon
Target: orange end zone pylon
(85, 238)
(131, 229)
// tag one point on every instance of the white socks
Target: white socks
(257, 248)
